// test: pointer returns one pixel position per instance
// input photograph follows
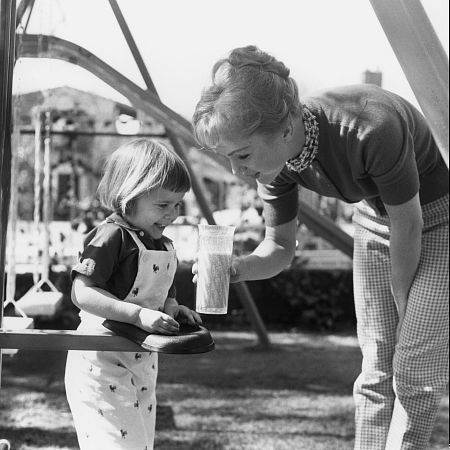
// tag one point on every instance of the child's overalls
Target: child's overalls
(112, 394)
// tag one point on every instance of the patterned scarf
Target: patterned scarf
(311, 147)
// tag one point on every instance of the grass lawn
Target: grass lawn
(296, 396)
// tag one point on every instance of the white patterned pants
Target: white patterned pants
(401, 384)
(112, 398)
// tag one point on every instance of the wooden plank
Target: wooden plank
(16, 323)
(65, 340)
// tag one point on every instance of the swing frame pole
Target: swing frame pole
(7, 56)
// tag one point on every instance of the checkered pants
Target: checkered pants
(401, 384)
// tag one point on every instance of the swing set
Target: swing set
(409, 32)
(16, 333)
(37, 302)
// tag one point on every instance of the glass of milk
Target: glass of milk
(215, 247)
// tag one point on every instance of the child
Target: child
(126, 274)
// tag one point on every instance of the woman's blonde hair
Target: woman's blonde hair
(137, 167)
(251, 91)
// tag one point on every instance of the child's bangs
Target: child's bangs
(176, 178)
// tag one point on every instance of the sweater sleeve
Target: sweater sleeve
(280, 201)
(389, 159)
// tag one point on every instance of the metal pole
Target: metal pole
(422, 58)
(132, 46)
(24, 6)
(7, 47)
(177, 144)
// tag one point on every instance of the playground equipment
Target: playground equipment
(411, 36)
(146, 100)
(37, 301)
(411, 30)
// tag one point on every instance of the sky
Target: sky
(325, 43)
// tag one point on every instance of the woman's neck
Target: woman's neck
(298, 137)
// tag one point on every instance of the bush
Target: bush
(319, 299)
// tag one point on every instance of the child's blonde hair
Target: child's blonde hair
(136, 168)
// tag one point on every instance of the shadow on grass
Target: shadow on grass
(310, 366)
(39, 438)
(236, 363)
(195, 444)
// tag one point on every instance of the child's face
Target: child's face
(155, 210)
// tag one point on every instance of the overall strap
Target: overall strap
(138, 242)
(169, 245)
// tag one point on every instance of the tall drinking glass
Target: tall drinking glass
(215, 247)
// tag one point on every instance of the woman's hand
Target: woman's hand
(157, 322)
(235, 269)
(401, 304)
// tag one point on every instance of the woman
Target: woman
(367, 146)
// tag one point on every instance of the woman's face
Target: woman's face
(258, 156)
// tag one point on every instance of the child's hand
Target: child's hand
(157, 322)
(178, 312)
(188, 315)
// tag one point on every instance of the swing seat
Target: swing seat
(40, 303)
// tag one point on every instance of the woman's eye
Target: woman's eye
(243, 157)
